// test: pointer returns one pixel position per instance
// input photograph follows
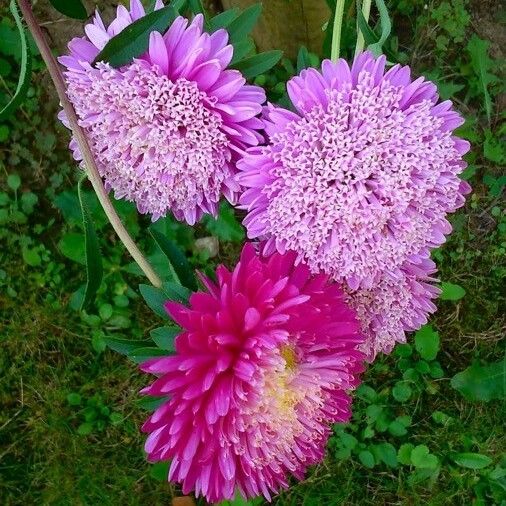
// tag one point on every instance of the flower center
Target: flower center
(287, 352)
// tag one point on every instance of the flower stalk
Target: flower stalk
(80, 136)
(337, 29)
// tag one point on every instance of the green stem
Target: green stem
(84, 147)
(366, 10)
(336, 30)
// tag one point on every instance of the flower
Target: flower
(167, 129)
(399, 301)
(359, 180)
(262, 367)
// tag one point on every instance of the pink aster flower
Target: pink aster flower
(262, 367)
(358, 181)
(167, 129)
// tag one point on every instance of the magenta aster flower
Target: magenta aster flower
(359, 182)
(262, 367)
(167, 129)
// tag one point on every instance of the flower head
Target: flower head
(262, 367)
(360, 179)
(167, 129)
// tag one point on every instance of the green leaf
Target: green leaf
(367, 32)
(31, 256)
(159, 471)
(421, 457)
(225, 227)
(155, 298)
(140, 355)
(427, 343)
(241, 26)
(482, 382)
(481, 64)
(386, 28)
(176, 292)
(13, 182)
(374, 44)
(404, 454)
(472, 460)
(403, 350)
(386, 453)
(25, 70)
(71, 8)
(85, 428)
(72, 245)
(223, 19)
(164, 337)
(450, 291)
(177, 259)
(94, 269)
(73, 399)
(367, 458)
(150, 403)
(397, 429)
(242, 49)
(124, 346)
(133, 40)
(258, 63)
(303, 59)
(401, 391)
(116, 418)
(196, 7)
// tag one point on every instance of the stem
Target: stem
(336, 30)
(366, 10)
(84, 147)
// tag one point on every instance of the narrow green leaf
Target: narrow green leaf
(372, 41)
(133, 40)
(176, 292)
(472, 460)
(258, 64)
(482, 382)
(155, 298)
(177, 259)
(71, 8)
(140, 355)
(223, 19)
(26, 67)
(150, 403)
(196, 7)
(242, 49)
(303, 60)
(124, 346)
(241, 26)
(386, 28)
(164, 337)
(368, 33)
(94, 269)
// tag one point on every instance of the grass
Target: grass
(69, 420)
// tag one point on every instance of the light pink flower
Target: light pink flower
(358, 181)
(168, 128)
(262, 367)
